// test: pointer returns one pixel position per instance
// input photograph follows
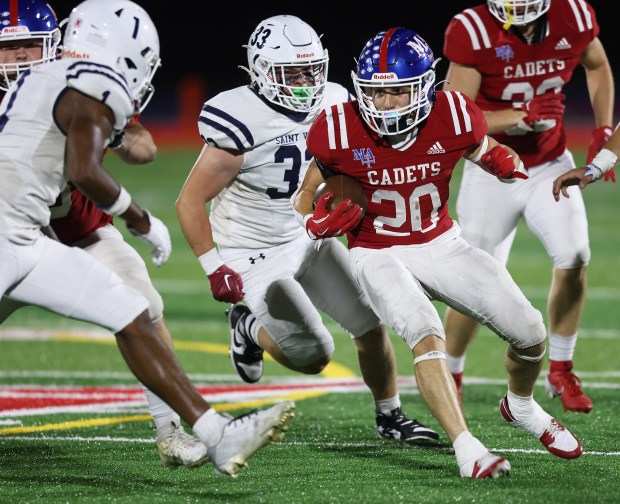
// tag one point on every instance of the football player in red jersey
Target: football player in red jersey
(401, 140)
(513, 58)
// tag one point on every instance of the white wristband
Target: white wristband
(605, 160)
(210, 261)
(120, 205)
(483, 149)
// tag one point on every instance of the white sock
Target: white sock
(562, 348)
(386, 406)
(467, 448)
(528, 411)
(210, 427)
(455, 364)
(162, 414)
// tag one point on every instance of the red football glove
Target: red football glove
(324, 223)
(499, 162)
(544, 106)
(599, 138)
(226, 285)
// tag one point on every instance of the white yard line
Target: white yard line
(330, 444)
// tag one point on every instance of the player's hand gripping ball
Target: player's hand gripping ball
(339, 205)
(343, 187)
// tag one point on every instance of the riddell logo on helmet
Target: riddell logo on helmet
(15, 29)
(384, 76)
(305, 55)
(74, 54)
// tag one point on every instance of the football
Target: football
(343, 187)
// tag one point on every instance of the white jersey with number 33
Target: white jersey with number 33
(255, 210)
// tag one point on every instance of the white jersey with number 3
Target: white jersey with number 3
(255, 211)
(32, 145)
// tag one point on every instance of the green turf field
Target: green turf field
(74, 426)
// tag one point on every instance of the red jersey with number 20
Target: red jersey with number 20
(407, 188)
(514, 71)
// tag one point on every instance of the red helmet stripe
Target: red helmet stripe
(13, 12)
(383, 65)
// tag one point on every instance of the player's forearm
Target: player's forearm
(303, 202)
(196, 227)
(501, 120)
(601, 90)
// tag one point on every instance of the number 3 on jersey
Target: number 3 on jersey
(284, 155)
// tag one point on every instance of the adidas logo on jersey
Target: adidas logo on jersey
(436, 148)
(563, 44)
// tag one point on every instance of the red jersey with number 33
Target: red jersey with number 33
(407, 188)
(514, 71)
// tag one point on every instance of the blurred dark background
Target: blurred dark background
(201, 45)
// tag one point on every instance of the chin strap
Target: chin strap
(508, 23)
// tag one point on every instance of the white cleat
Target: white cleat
(177, 448)
(487, 466)
(245, 435)
(556, 438)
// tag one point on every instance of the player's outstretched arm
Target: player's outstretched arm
(602, 164)
(600, 82)
(213, 170)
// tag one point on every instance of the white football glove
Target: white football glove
(158, 237)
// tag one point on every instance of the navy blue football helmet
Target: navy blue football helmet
(395, 58)
(31, 20)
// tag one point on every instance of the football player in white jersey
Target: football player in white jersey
(29, 36)
(55, 123)
(406, 250)
(250, 166)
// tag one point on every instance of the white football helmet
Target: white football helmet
(21, 24)
(287, 63)
(119, 34)
(518, 12)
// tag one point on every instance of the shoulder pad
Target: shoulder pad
(235, 119)
(104, 84)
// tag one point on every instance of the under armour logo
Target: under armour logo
(254, 259)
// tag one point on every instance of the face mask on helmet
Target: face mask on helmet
(287, 63)
(396, 62)
(119, 34)
(518, 12)
(26, 26)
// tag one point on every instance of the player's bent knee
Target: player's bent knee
(307, 355)
(531, 354)
(315, 367)
(572, 258)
